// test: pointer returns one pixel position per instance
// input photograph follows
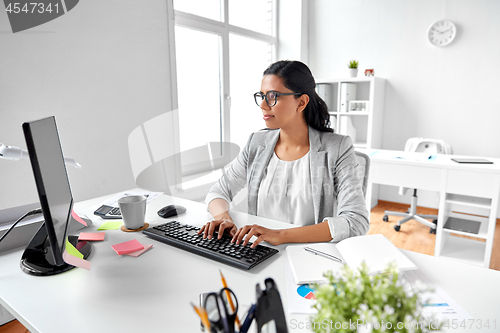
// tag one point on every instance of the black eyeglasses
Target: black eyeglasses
(271, 97)
(222, 308)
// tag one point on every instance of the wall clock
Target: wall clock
(442, 32)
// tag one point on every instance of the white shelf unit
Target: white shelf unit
(364, 126)
(472, 211)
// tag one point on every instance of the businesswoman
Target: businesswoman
(297, 170)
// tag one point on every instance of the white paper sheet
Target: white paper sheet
(296, 303)
(440, 305)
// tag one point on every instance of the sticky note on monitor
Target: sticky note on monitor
(72, 250)
(73, 257)
(78, 262)
(78, 218)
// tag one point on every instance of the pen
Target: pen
(323, 254)
(203, 316)
(248, 320)
(229, 298)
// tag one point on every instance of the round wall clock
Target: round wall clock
(442, 32)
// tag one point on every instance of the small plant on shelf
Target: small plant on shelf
(353, 68)
(353, 64)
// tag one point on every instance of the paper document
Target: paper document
(113, 202)
(437, 304)
(375, 250)
(300, 298)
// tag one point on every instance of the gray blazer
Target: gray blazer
(336, 185)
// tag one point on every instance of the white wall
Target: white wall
(293, 25)
(450, 93)
(102, 69)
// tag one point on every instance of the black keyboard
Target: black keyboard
(185, 237)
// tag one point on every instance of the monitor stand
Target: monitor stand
(38, 260)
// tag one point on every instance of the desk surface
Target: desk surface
(151, 293)
(441, 160)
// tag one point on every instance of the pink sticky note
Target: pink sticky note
(127, 247)
(138, 253)
(91, 236)
(78, 218)
(72, 260)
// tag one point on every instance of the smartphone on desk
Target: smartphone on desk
(108, 212)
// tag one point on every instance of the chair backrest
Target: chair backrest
(364, 165)
(431, 146)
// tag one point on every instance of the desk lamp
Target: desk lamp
(15, 154)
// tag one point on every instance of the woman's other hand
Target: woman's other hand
(220, 226)
(244, 234)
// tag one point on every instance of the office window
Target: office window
(210, 9)
(198, 87)
(219, 63)
(246, 76)
(256, 15)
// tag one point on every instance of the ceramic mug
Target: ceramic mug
(133, 209)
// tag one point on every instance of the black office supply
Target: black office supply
(471, 160)
(269, 309)
(43, 255)
(108, 212)
(185, 237)
(171, 210)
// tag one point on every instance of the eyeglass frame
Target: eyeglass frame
(226, 321)
(278, 94)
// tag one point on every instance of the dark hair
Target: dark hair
(298, 78)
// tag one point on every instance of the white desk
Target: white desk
(151, 293)
(469, 188)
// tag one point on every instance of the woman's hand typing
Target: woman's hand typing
(220, 226)
(272, 236)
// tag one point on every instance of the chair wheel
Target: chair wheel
(397, 227)
(433, 231)
(385, 218)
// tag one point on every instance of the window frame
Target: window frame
(223, 30)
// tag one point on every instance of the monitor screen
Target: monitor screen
(51, 179)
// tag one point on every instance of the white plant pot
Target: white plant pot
(353, 72)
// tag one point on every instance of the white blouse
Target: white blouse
(285, 192)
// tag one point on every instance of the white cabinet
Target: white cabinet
(466, 227)
(356, 107)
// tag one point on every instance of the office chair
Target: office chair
(364, 162)
(430, 146)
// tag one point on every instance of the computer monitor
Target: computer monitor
(43, 255)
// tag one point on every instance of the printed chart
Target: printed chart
(306, 291)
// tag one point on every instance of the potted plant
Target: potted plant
(353, 68)
(358, 302)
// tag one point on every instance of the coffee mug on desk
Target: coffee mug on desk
(133, 209)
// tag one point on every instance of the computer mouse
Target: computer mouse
(171, 210)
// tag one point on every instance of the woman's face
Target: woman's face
(287, 112)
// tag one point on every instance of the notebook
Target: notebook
(375, 250)
(471, 160)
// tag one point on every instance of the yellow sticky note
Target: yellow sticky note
(110, 226)
(72, 250)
